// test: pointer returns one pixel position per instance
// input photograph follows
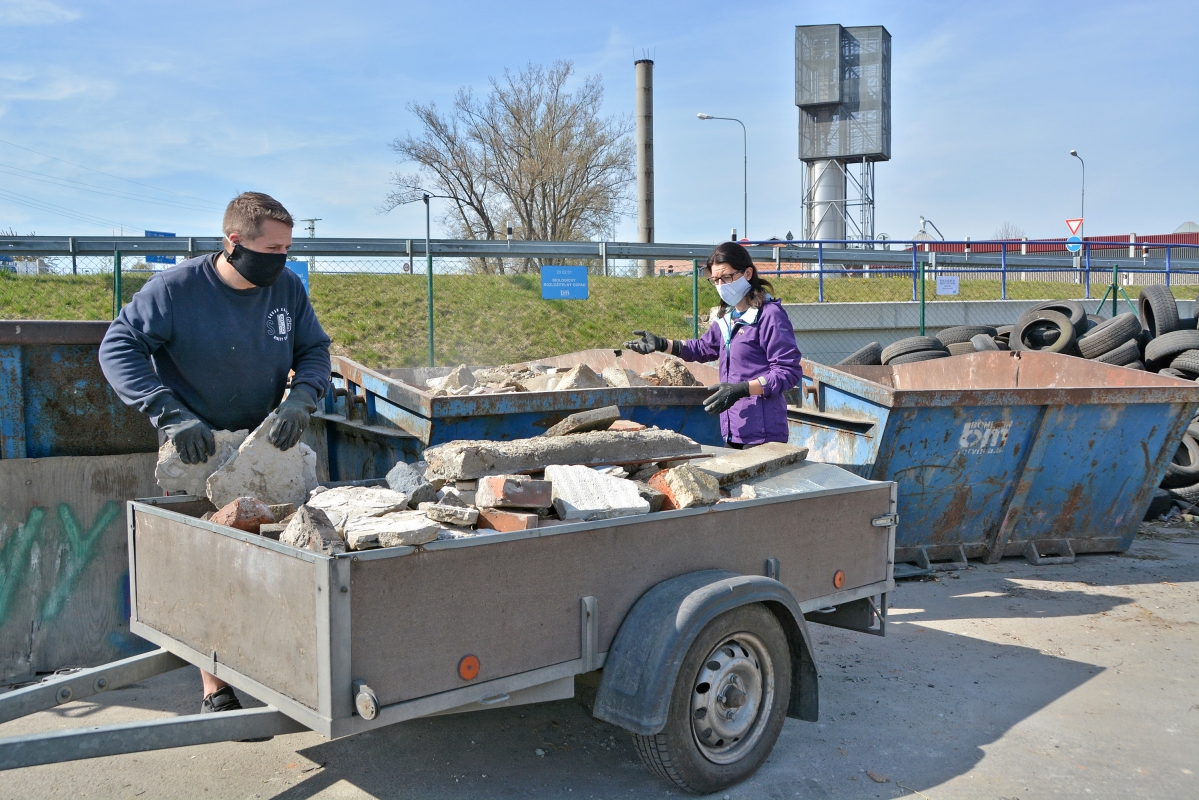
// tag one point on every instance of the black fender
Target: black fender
(644, 660)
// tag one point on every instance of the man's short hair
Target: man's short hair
(246, 213)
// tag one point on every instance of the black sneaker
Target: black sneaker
(223, 699)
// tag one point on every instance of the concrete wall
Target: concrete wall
(828, 332)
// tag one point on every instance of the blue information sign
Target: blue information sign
(300, 267)
(160, 259)
(1074, 244)
(563, 283)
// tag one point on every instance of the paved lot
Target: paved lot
(1008, 681)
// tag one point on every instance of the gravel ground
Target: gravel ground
(1004, 681)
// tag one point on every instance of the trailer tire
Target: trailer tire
(1122, 356)
(963, 333)
(869, 356)
(912, 344)
(1158, 310)
(1031, 320)
(745, 644)
(1110, 334)
(1162, 350)
(1184, 466)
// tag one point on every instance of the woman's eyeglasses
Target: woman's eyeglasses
(723, 280)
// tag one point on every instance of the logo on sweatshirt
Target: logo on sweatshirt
(278, 324)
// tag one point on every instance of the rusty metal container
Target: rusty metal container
(1000, 454)
(396, 400)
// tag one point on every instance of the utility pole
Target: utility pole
(311, 235)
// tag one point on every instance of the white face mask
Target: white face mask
(731, 293)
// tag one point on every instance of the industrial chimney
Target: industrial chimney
(645, 158)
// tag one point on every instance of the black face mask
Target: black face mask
(260, 269)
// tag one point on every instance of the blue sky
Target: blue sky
(300, 100)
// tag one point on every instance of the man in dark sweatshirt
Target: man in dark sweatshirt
(208, 344)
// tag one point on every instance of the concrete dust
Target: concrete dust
(1008, 680)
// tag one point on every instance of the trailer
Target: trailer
(690, 625)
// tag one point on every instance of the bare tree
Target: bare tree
(1008, 231)
(531, 153)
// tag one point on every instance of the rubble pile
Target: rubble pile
(590, 466)
(540, 378)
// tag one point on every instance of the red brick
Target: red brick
(505, 521)
(626, 425)
(658, 482)
(245, 514)
(513, 491)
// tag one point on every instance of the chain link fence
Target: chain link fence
(491, 311)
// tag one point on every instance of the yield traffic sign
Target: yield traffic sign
(1074, 225)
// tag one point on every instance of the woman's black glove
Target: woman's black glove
(648, 343)
(724, 396)
(192, 439)
(291, 418)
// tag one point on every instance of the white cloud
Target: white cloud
(34, 12)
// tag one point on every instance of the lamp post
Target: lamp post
(1082, 212)
(744, 171)
(425, 197)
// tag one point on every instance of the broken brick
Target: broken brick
(513, 491)
(504, 521)
(245, 514)
(626, 425)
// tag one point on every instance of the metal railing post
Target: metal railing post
(116, 283)
(914, 261)
(74, 265)
(820, 273)
(1168, 266)
(1115, 286)
(695, 298)
(1003, 271)
(921, 263)
(778, 262)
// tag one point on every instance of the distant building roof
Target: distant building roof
(1187, 227)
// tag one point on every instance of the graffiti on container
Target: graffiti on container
(16, 564)
(981, 437)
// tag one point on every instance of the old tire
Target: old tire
(1122, 356)
(982, 343)
(1162, 350)
(962, 348)
(1068, 308)
(743, 650)
(1109, 334)
(923, 355)
(1093, 321)
(869, 356)
(963, 333)
(1136, 365)
(1158, 310)
(1187, 361)
(912, 344)
(1160, 504)
(1173, 373)
(1041, 335)
(1184, 466)
(1020, 334)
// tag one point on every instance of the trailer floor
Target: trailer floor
(1005, 681)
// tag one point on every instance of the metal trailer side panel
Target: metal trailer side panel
(253, 607)
(515, 604)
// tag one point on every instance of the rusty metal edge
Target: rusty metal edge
(44, 331)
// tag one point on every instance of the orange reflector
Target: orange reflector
(468, 668)
(839, 578)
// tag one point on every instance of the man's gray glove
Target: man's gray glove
(192, 439)
(648, 343)
(291, 418)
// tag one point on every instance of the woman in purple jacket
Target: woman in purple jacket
(753, 340)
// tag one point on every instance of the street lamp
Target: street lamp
(1082, 213)
(744, 171)
(425, 197)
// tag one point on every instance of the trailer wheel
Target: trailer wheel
(729, 702)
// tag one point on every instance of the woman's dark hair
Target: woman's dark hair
(737, 257)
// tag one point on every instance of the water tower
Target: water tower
(843, 90)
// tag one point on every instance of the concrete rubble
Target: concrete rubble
(513, 491)
(580, 377)
(245, 514)
(686, 487)
(404, 479)
(671, 372)
(261, 470)
(596, 419)
(391, 530)
(450, 515)
(469, 459)
(174, 476)
(310, 529)
(622, 378)
(582, 494)
(650, 495)
(346, 503)
(737, 466)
